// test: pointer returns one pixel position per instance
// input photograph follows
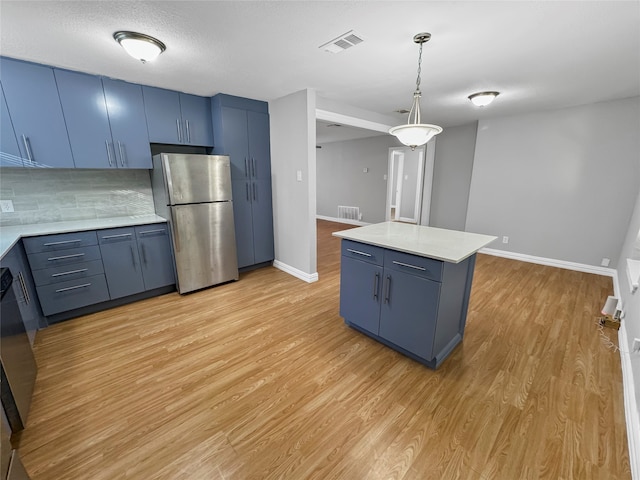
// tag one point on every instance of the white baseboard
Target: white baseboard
(342, 220)
(630, 407)
(307, 277)
(551, 262)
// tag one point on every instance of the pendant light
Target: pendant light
(415, 133)
(140, 46)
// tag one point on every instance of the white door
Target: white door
(406, 185)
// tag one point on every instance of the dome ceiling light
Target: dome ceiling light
(482, 99)
(415, 133)
(140, 46)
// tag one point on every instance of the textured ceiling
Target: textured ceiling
(539, 55)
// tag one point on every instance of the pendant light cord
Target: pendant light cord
(415, 106)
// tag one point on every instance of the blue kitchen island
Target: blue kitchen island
(408, 286)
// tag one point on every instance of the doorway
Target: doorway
(405, 184)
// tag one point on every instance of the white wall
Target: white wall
(293, 136)
(341, 179)
(561, 184)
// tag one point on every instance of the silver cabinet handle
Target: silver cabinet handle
(253, 166)
(144, 253)
(64, 242)
(186, 122)
(387, 290)
(120, 235)
(246, 187)
(254, 192)
(70, 272)
(27, 147)
(157, 230)
(60, 290)
(179, 130)
(376, 279)
(121, 150)
(358, 252)
(133, 257)
(51, 259)
(410, 266)
(23, 286)
(246, 167)
(106, 142)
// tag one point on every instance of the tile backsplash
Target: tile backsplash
(55, 195)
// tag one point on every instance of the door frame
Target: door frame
(424, 182)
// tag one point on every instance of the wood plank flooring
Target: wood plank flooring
(261, 379)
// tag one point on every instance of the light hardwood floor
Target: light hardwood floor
(261, 379)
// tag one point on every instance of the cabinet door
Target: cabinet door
(196, 120)
(408, 312)
(162, 110)
(24, 287)
(125, 107)
(262, 217)
(236, 141)
(36, 114)
(121, 261)
(259, 145)
(154, 247)
(9, 151)
(360, 291)
(85, 112)
(243, 221)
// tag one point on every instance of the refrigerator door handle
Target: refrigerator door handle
(176, 236)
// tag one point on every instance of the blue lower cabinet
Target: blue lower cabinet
(73, 294)
(413, 304)
(409, 311)
(360, 287)
(121, 261)
(154, 248)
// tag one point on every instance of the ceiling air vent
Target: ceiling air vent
(344, 41)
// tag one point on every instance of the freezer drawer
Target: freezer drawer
(204, 245)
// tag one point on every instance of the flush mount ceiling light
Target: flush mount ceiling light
(415, 133)
(140, 46)
(482, 99)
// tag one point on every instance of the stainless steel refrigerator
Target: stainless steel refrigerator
(193, 192)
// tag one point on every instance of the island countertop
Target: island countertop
(438, 243)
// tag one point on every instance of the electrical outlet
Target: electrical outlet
(505, 239)
(635, 348)
(6, 206)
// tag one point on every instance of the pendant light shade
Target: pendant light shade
(140, 46)
(416, 133)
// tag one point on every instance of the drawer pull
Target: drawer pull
(157, 230)
(359, 252)
(60, 290)
(120, 235)
(410, 266)
(51, 244)
(65, 257)
(70, 272)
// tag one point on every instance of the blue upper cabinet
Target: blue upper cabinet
(125, 106)
(177, 118)
(36, 114)
(9, 151)
(105, 120)
(85, 113)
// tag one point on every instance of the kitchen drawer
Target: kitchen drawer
(413, 264)
(65, 257)
(363, 251)
(63, 273)
(114, 235)
(60, 297)
(62, 241)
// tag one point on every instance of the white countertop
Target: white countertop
(447, 245)
(10, 235)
